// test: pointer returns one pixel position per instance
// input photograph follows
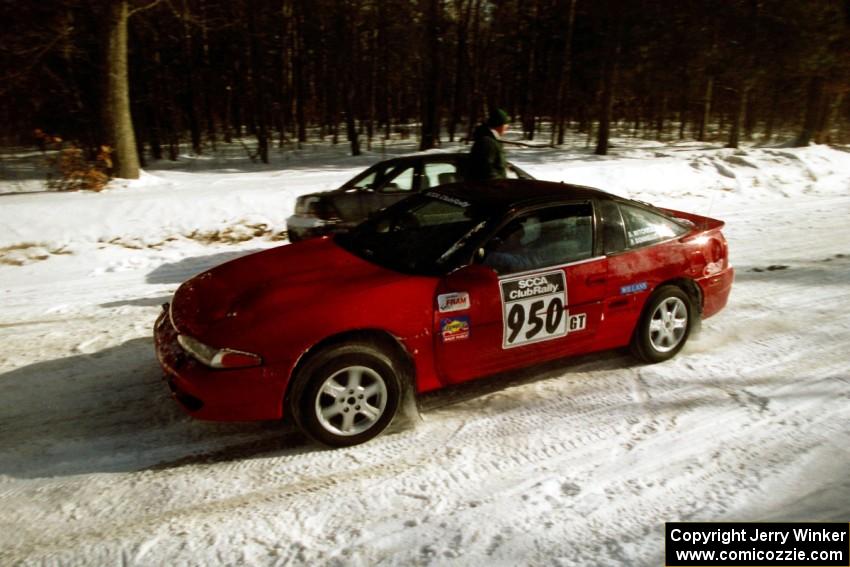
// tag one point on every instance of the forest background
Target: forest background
(124, 82)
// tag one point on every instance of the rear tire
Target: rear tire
(346, 394)
(664, 326)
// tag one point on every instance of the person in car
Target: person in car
(516, 252)
(487, 156)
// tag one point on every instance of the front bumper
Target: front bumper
(245, 394)
(299, 227)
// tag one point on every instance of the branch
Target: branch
(526, 145)
(143, 8)
(11, 78)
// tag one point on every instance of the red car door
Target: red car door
(643, 251)
(536, 295)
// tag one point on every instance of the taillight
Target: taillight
(715, 250)
(717, 257)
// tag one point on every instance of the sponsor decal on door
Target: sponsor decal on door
(448, 302)
(534, 309)
(454, 328)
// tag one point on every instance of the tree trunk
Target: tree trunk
(813, 108)
(118, 121)
(770, 123)
(191, 102)
(564, 77)
(609, 77)
(660, 118)
(706, 109)
(431, 95)
(461, 65)
(351, 128)
(828, 116)
(258, 90)
(738, 117)
(298, 71)
(750, 117)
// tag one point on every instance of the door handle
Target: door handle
(595, 280)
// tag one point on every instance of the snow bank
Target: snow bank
(208, 196)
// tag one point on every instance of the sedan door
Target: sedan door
(400, 182)
(534, 294)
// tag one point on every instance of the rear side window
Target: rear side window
(645, 227)
(613, 228)
(439, 173)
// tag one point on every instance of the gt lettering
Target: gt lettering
(578, 322)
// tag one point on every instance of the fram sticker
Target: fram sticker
(633, 288)
(448, 302)
(454, 328)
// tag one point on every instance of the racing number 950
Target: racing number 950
(540, 316)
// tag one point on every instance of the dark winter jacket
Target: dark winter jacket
(487, 157)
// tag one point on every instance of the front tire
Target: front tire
(664, 325)
(346, 394)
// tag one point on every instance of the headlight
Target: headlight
(218, 357)
(315, 206)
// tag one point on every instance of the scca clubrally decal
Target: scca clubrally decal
(533, 308)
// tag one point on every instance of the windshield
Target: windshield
(421, 235)
(372, 177)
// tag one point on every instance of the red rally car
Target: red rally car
(449, 285)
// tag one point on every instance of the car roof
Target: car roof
(426, 156)
(520, 193)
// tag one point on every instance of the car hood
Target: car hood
(349, 204)
(239, 292)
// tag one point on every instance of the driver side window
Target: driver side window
(401, 179)
(548, 237)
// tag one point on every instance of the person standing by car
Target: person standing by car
(487, 157)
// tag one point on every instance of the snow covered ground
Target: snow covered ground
(573, 463)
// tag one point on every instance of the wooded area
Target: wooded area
(209, 71)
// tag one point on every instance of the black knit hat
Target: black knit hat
(498, 117)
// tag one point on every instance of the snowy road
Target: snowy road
(576, 463)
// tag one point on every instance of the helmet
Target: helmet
(530, 230)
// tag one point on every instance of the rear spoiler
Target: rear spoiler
(700, 222)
